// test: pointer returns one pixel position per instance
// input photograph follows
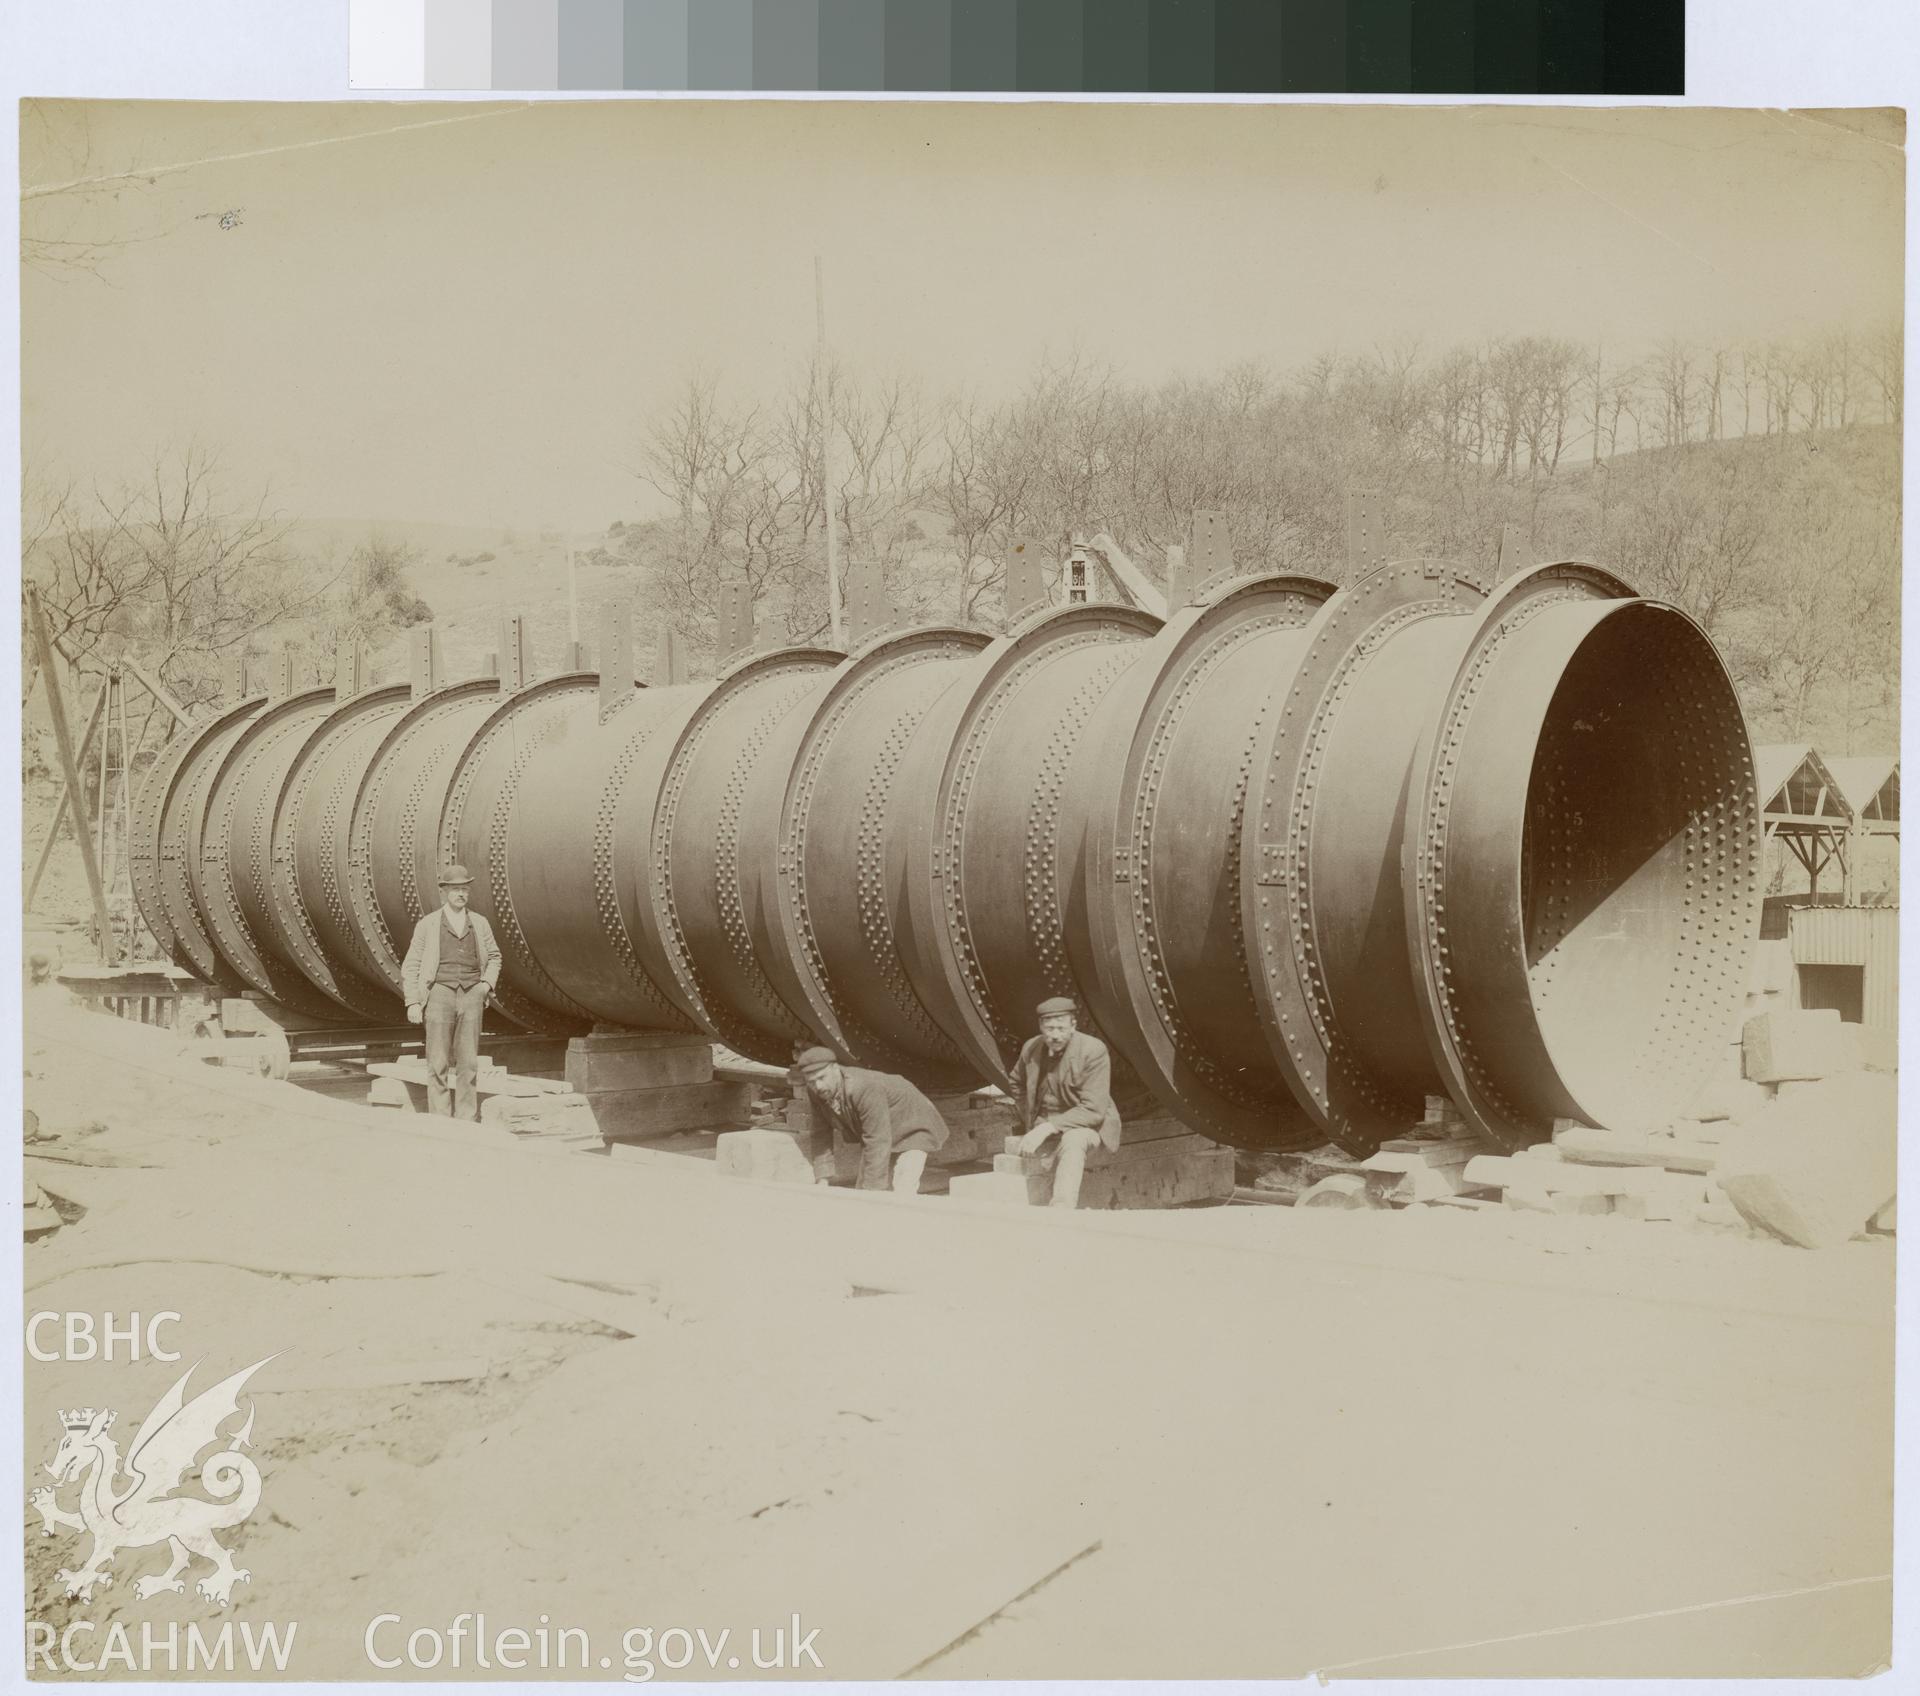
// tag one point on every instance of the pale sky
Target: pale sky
(468, 321)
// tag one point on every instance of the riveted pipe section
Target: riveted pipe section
(170, 902)
(1320, 893)
(1161, 949)
(484, 799)
(709, 910)
(394, 831)
(236, 847)
(983, 837)
(311, 852)
(836, 956)
(583, 823)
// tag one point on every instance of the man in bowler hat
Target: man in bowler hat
(451, 968)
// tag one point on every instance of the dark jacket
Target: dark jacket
(1085, 1078)
(877, 1111)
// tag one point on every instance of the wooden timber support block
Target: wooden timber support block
(640, 1115)
(609, 1060)
(1163, 1172)
(527, 1056)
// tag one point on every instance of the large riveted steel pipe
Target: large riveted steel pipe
(1305, 857)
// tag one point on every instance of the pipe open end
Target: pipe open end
(1640, 866)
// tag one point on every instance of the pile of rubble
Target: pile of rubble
(1796, 1139)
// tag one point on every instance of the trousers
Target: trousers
(453, 1042)
(1076, 1143)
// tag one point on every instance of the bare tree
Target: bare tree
(1883, 356)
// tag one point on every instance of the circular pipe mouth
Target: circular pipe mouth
(1640, 857)
(1587, 915)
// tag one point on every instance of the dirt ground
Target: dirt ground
(616, 1394)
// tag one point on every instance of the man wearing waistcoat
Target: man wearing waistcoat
(451, 968)
(1063, 1082)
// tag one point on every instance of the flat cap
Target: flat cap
(1056, 1004)
(451, 876)
(808, 1058)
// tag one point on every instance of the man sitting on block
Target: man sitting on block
(451, 968)
(1063, 1083)
(890, 1119)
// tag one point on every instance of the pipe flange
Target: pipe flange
(254, 950)
(979, 1025)
(308, 949)
(789, 674)
(831, 1015)
(1139, 1008)
(555, 1013)
(429, 713)
(1345, 1100)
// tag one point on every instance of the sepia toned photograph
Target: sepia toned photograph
(858, 890)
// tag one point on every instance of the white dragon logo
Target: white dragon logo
(147, 1510)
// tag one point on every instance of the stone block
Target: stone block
(1000, 1189)
(1527, 1198)
(391, 1092)
(542, 1116)
(637, 1060)
(772, 1157)
(1802, 1043)
(1820, 1164)
(1772, 970)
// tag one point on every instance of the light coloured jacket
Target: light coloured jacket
(1085, 1076)
(423, 956)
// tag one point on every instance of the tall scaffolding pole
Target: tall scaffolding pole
(823, 403)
